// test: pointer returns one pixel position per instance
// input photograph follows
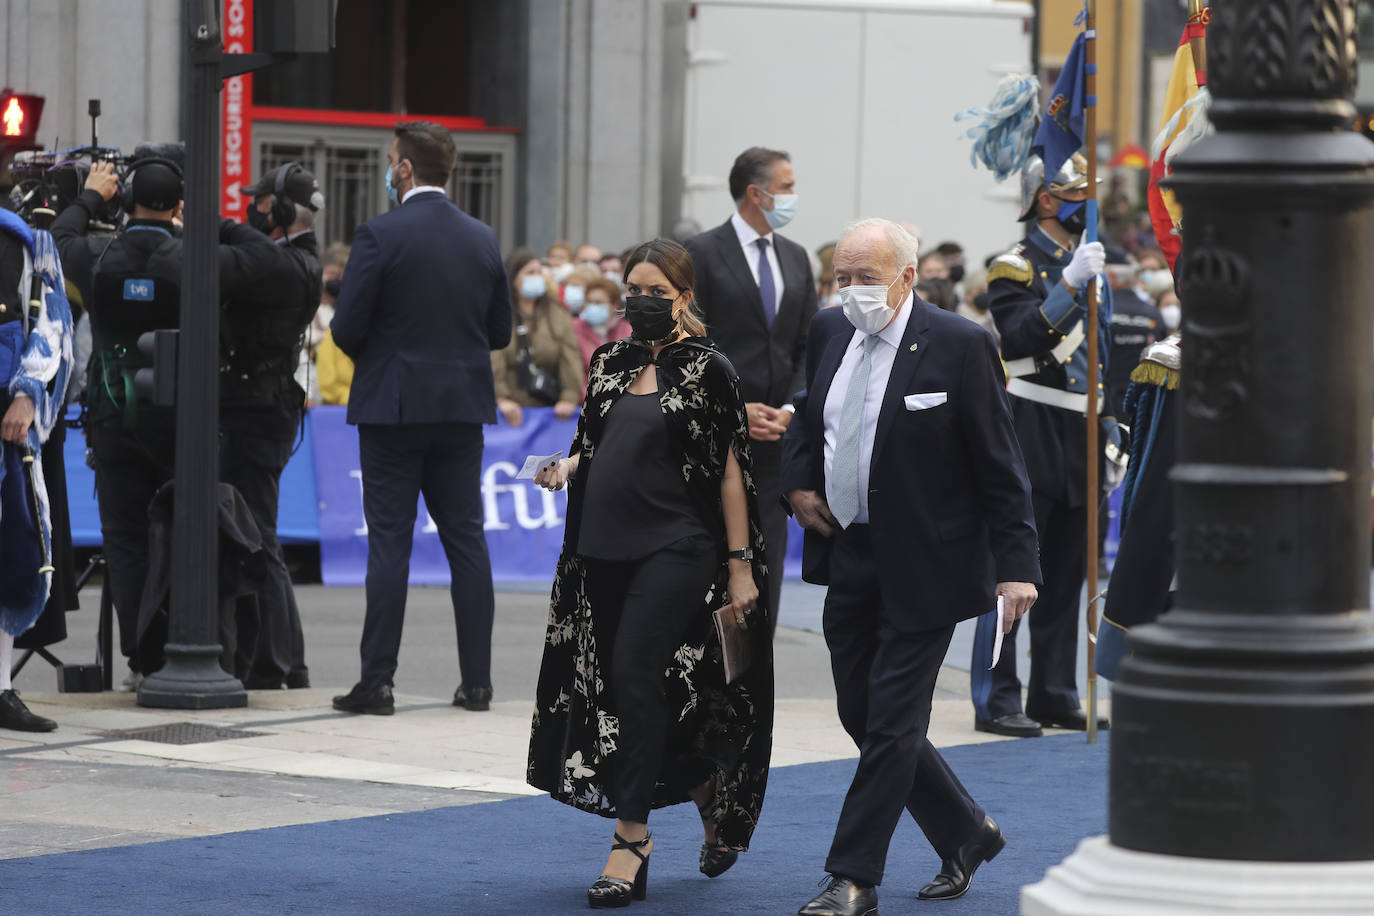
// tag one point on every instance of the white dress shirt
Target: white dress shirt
(880, 368)
(747, 240)
(421, 189)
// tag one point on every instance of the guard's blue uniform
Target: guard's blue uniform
(1035, 314)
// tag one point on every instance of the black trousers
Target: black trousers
(1053, 689)
(768, 480)
(643, 611)
(884, 681)
(271, 645)
(131, 464)
(444, 462)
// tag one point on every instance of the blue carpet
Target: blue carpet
(533, 856)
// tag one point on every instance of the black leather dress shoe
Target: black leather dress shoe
(14, 714)
(297, 680)
(956, 874)
(843, 897)
(1074, 721)
(374, 701)
(1016, 725)
(473, 699)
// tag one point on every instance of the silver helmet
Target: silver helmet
(1073, 174)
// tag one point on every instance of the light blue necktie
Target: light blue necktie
(844, 467)
(768, 291)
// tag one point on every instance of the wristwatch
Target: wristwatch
(744, 553)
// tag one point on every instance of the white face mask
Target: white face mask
(866, 306)
(1172, 315)
(561, 272)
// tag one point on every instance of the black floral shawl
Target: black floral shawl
(722, 732)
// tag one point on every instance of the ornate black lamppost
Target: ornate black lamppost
(1243, 723)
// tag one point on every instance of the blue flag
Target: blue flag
(1061, 129)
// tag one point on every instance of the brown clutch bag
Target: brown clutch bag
(736, 648)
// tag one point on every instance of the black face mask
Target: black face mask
(956, 273)
(260, 221)
(1073, 216)
(650, 318)
(332, 286)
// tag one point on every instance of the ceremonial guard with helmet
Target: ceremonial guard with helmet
(1037, 296)
(35, 364)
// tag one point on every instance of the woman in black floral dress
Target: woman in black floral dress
(633, 710)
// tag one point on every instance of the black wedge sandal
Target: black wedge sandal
(716, 858)
(612, 893)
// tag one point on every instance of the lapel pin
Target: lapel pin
(913, 347)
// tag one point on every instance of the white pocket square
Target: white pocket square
(924, 401)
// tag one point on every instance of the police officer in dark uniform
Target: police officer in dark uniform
(135, 279)
(1036, 293)
(1135, 325)
(261, 407)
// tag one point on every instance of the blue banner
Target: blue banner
(322, 500)
(524, 523)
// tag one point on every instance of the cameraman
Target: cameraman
(135, 281)
(261, 406)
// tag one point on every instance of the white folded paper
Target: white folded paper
(997, 640)
(536, 463)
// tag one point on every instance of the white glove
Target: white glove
(1088, 261)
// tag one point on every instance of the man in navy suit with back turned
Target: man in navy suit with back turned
(424, 302)
(903, 467)
(757, 293)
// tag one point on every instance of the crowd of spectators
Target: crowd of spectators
(568, 303)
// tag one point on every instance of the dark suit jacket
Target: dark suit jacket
(949, 504)
(424, 302)
(769, 362)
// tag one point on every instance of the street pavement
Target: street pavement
(91, 785)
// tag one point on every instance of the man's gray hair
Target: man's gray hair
(906, 248)
(305, 218)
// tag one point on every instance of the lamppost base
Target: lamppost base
(192, 679)
(1100, 879)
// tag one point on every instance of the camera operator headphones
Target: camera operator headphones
(283, 207)
(126, 193)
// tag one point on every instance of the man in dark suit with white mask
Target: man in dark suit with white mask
(757, 293)
(903, 466)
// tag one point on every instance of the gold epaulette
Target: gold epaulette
(1012, 266)
(1160, 363)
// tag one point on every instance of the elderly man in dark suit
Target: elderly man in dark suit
(424, 302)
(903, 466)
(758, 294)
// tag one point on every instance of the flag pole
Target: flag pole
(1197, 40)
(1094, 359)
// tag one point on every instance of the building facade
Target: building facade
(552, 103)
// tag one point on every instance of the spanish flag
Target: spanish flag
(1182, 107)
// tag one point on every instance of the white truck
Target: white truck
(862, 94)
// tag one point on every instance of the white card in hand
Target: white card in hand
(997, 640)
(536, 463)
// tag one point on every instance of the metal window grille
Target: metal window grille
(350, 163)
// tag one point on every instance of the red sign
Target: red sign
(236, 113)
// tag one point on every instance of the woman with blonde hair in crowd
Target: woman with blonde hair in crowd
(633, 710)
(541, 366)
